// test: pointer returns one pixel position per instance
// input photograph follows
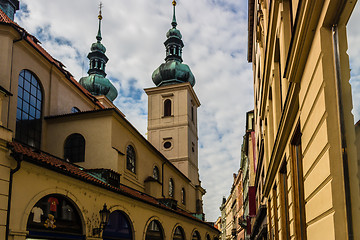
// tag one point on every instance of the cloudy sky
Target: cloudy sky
(215, 37)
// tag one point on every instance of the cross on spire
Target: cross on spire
(98, 37)
(174, 23)
(100, 8)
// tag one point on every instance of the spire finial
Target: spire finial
(98, 37)
(174, 23)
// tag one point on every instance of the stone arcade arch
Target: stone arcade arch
(179, 233)
(119, 227)
(154, 231)
(195, 235)
(54, 217)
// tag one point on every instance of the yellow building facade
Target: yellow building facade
(66, 152)
(306, 172)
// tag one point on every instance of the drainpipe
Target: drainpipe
(12, 172)
(342, 132)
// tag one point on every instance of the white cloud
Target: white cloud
(353, 31)
(215, 37)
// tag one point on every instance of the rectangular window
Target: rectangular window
(276, 218)
(270, 225)
(298, 183)
(284, 202)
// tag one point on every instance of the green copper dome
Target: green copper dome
(98, 47)
(173, 32)
(97, 83)
(173, 71)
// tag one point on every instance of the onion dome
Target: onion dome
(173, 71)
(97, 83)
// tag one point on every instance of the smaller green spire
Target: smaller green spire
(97, 83)
(174, 23)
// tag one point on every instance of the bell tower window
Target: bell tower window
(167, 108)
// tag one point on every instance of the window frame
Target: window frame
(80, 152)
(156, 169)
(131, 159)
(179, 233)
(151, 228)
(183, 196)
(298, 185)
(284, 199)
(167, 107)
(30, 99)
(171, 188)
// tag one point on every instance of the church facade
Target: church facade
(73, 167)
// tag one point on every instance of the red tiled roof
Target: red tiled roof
(34, 42)
(20, 151)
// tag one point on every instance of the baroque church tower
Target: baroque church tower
(172, 109)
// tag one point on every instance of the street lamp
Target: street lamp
(104, 218)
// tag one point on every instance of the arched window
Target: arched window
(167, 108)
(179, 234)
(130, 158)
(74, 148)
(75, 110)
(171, 187)
(54, 217)
(208, 237)
(118, 227)
(183, 196)
(154, 231)
(196, 236)
(156, 174)
(29, 106)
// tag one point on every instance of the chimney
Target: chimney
(9, 7)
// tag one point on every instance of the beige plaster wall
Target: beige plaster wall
(96, 129)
